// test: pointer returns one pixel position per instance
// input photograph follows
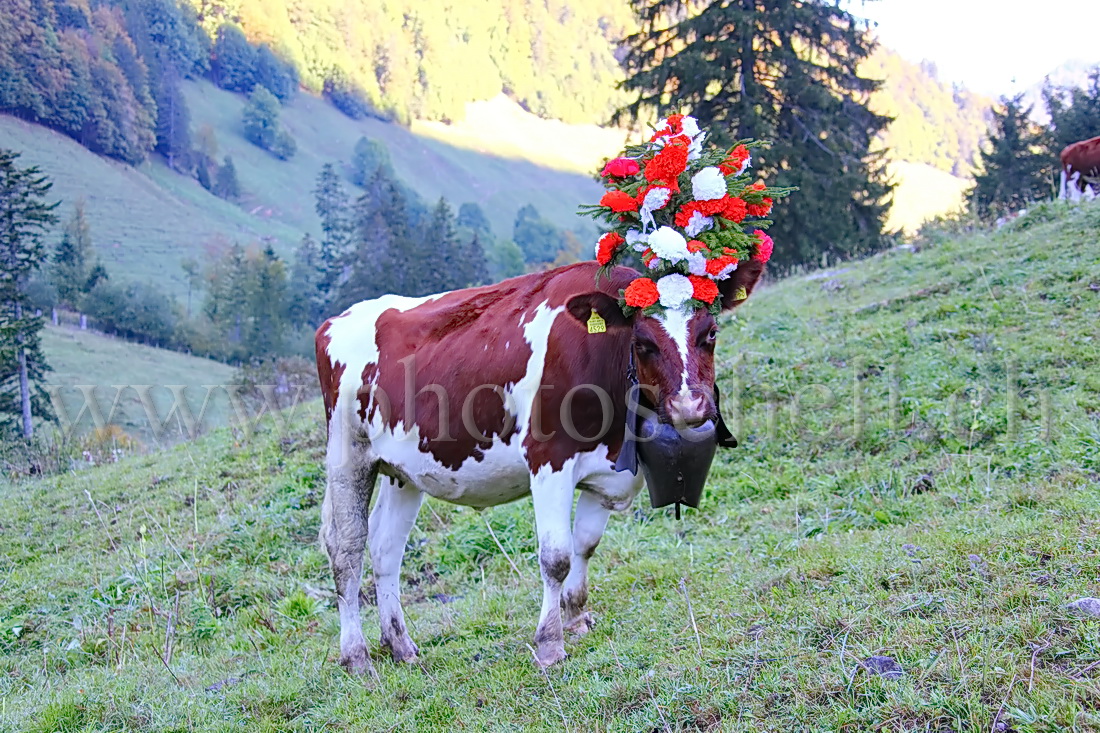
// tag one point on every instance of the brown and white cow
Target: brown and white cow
(1081, 170)
(482, 396)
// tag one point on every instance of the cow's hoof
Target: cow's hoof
(403, 649)
(548, 656)
(357, 662)
(580, 624)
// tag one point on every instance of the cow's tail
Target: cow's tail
(1062, 188)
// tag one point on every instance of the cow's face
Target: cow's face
(674, 350)
(674, 355)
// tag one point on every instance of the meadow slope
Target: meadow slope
(918, 478)
(89, 358)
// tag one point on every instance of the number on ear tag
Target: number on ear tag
(741, 293)
(596, 324)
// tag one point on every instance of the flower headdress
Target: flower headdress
(684, 209)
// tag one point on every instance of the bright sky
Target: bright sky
(991, 46)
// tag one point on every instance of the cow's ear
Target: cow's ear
(737, 288)
(581, 307)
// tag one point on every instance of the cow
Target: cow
(1081, 170)
(482, 396)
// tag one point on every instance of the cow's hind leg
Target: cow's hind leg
(344, 533)
(390, 523)
(553, 499)
(588, 526)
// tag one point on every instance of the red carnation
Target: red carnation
(703, 288)
(715, 266)
(676, 123)
(734, 208)
(764, 249)
(733, 162)
(620, 168)
(668, 164)
(683, 216)
(641, 293)
(694, 245)
(619, 201)
(761, 209)
(607, 246)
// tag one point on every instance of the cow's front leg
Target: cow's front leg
(553, 499)
(390, 523)
(588, 527)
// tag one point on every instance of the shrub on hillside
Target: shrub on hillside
(233, 60)
(277, 75)
(261, 124)
(346, 95)
(370, 155)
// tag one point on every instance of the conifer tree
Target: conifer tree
(440, 237)
(266, 304)
(331, 204)
(173, 126)
(308, 302)
(76, 269)
(539, 239)
(1074, 112)
(379, 260)
(24, 218)
(226, 184)
(780, 71)
(1017, 167)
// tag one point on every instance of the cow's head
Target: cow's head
(674, 351)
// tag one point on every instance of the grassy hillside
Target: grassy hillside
(917, 479)
(82, 358)
(146, 220)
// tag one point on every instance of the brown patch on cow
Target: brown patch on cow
(328, 373)
(370, 371)
(1082, 157)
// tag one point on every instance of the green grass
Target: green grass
(146, 220)
(947, 532)
(87, 358)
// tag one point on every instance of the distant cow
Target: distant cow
(482, 396)
(1081, 170)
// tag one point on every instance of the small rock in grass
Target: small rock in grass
(1086, 606)
(883, 666)
(228, 682)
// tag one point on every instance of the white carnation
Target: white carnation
(636, 240)
(698, 223)
(655, 199)
(690, 126)
(674, 290)
(695, 150)
(697, 263)
(708, 184)
(668, 244)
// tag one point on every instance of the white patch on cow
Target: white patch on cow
(536, 332)
(676, 322)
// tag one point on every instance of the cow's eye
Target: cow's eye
(708, 339)
(646, 348)
(713, 335)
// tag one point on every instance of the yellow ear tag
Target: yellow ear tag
(741, 293)
(596, 324)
